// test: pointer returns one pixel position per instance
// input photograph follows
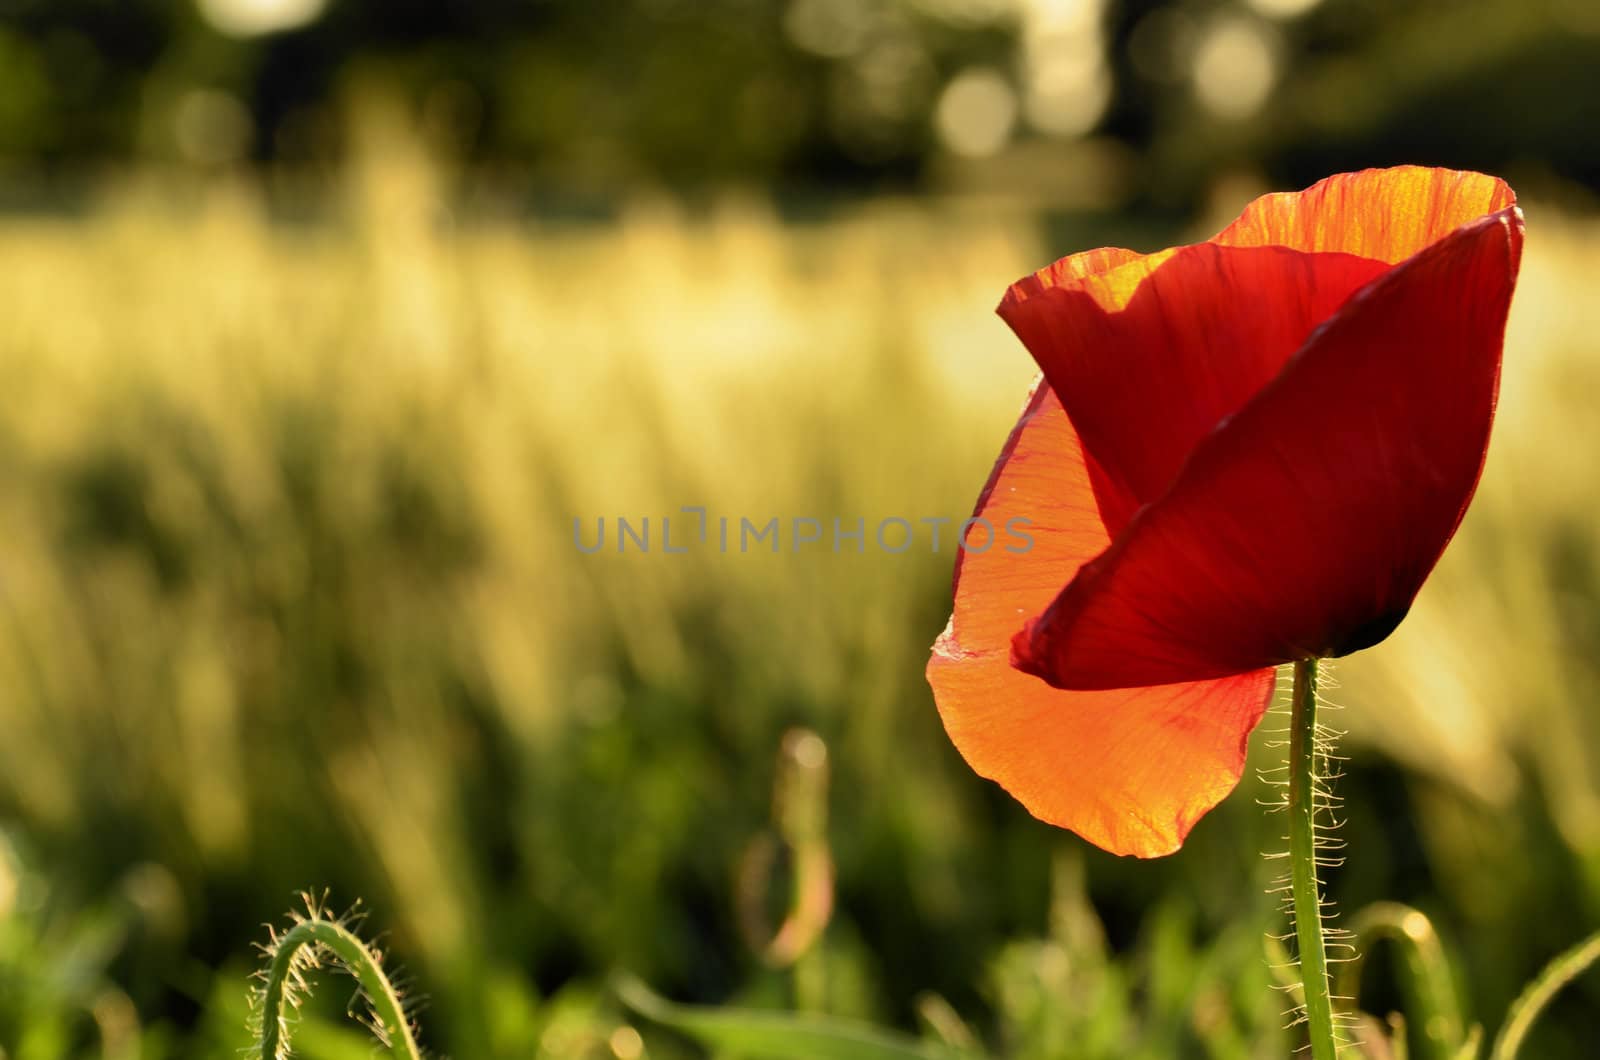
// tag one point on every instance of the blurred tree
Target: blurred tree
(836, 94)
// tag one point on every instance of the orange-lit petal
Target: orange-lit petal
(1070, 269)
(1387, 214)
(1129, 770)
(1306, 525)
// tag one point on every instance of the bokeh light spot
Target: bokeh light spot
(626, 1044)
(1235, 67)
(830, 28)
(251, 18)
(977, 112)
(1066, 81)
(1068, 92)
(1284, 9)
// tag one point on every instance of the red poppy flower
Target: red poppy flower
(1242, 453)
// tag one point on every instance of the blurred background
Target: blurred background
(321, 321)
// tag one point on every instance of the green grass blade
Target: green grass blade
(1428, 991)
(1527, 1007)
(779, 1035)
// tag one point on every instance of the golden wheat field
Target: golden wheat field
(290, 596)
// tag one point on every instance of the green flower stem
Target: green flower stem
(302, 947)
(1303, 861)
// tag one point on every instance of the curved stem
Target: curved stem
(300, 949)
(1425, 983)
(1303, 861)
(1557, 974)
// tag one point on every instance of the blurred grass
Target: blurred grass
(289, 597)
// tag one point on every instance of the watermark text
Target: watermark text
(692, 528)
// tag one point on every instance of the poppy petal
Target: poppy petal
(1129, 770)
(1150, 355)
(1387, 214)
(1070, 269)
(1306, 524)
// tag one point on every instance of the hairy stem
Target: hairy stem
(1303, 861)
(304, 947)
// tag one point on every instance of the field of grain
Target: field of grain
(290, 597)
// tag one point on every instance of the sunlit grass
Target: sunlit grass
(289, 595)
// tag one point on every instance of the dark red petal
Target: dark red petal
(1387, 214)
(1306, 525)
(1129, 770)
(1150, 355)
